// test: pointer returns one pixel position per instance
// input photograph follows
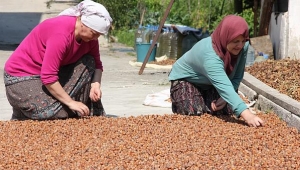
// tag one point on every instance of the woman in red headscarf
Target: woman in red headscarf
(206, 78)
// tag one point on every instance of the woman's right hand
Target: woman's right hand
(80, 108)
(251, 119)
(60, 94)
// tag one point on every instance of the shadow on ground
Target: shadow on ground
(122, 49)
(112, 116)
(11, 47)
(14, 27)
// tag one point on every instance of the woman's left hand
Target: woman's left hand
(95, 93)
(218, 104)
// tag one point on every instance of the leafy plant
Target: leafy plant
(124, 13)
(249, 17)
(125, 37)
(194, 13)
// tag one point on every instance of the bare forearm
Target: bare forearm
(59, 93)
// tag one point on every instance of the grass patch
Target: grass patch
(131, 54)
(125, 37)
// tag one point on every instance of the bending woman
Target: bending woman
(55, 73)
(206, 78)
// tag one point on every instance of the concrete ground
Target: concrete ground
(124, 90)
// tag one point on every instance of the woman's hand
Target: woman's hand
(95, 93)
(79, 108)
(60, 94)
(251, 119)
(218, 104)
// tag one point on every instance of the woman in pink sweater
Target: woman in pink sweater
(55, 73)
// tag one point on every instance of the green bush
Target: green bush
(248, 14)
(125, 37)
(197, 14)
(125, 14)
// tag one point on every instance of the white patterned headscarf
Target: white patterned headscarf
(93, 15)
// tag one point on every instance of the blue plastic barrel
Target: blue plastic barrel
(142, 50)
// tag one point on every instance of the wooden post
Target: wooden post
(142, 17)
(162, 22)
(265, 17)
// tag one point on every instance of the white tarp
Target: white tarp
(159, 99)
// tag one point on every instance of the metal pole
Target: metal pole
(163, 20)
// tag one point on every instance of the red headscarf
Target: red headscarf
(228, 29)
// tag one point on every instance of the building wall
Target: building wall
(285, 32)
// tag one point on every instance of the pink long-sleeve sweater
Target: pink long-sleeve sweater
(50, 45)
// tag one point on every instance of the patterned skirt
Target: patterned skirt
(30, 99)
(188, 99)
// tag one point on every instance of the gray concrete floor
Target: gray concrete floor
(124, 90)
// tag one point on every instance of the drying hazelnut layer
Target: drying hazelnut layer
(149, 142)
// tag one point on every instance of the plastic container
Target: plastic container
(189, 41)
(139, 35)
(192, 37)
(161, 44)
(142, 50)
(266, 56)
(165, 43)
(174, 45)
(250, 56)
(259, 59)
(153, 33)
(145, 35)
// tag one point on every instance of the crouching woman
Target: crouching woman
(55, 73)
(206, 78)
